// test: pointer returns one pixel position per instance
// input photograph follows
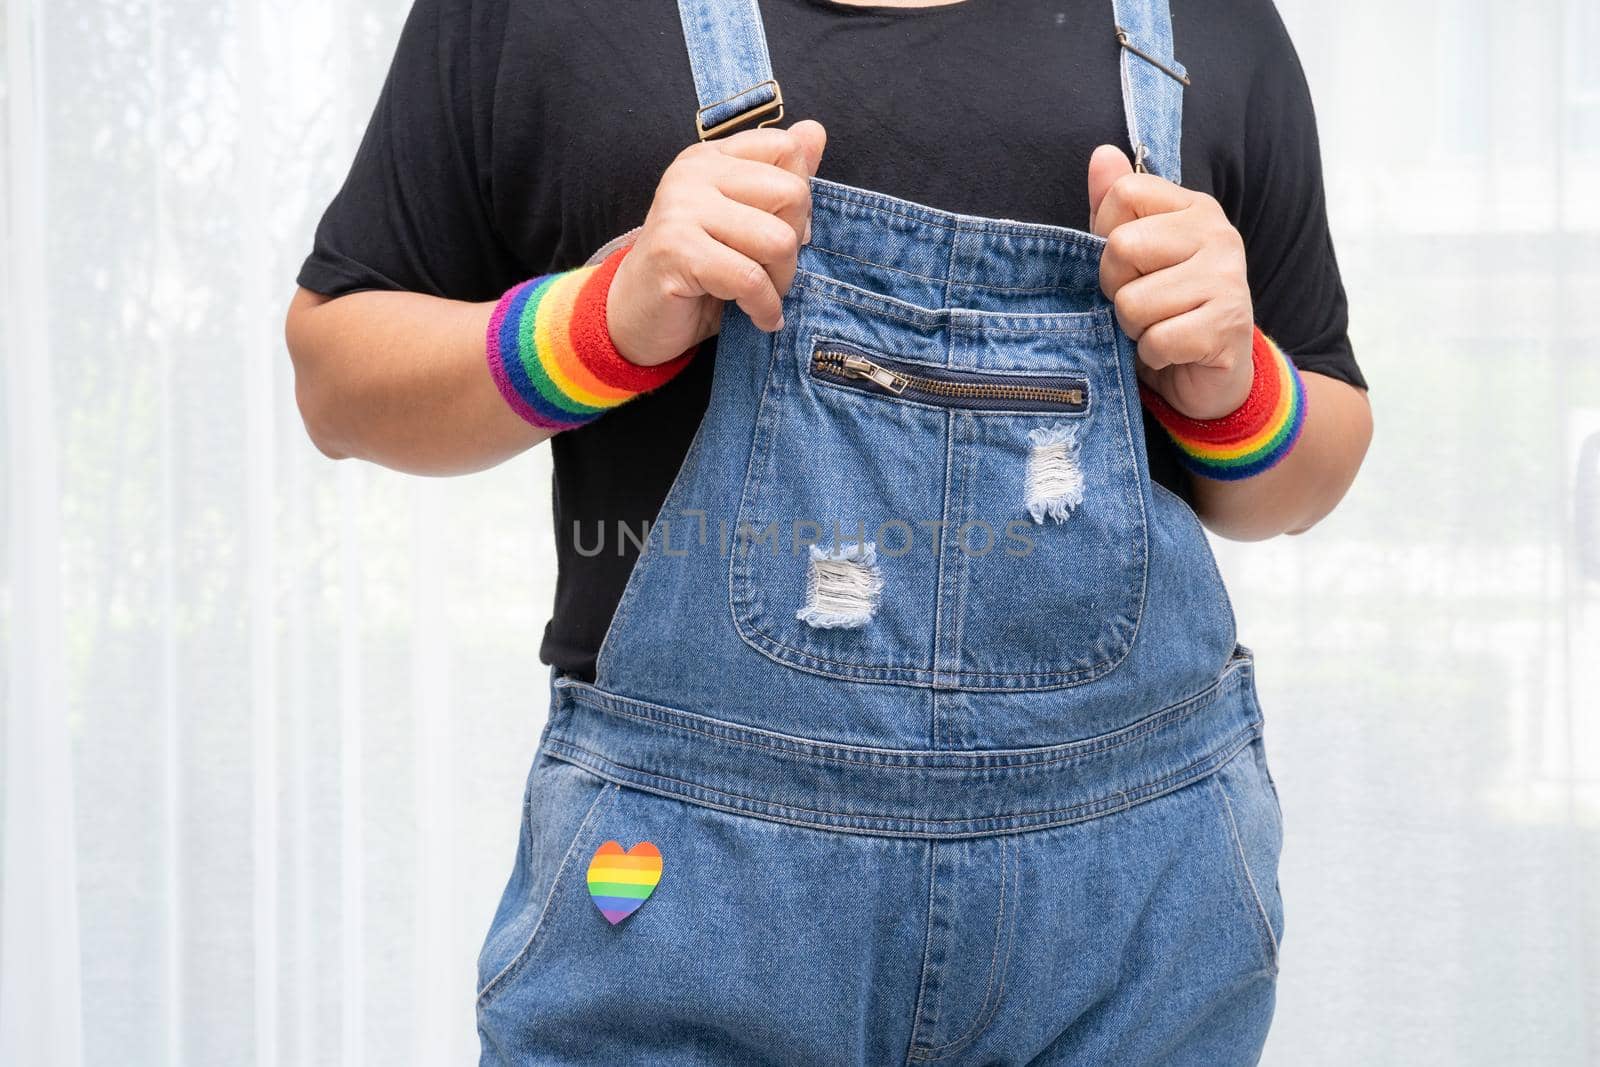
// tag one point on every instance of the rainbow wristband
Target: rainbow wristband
(550, 349)
(1251, 439)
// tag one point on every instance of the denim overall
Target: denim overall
(927, 695)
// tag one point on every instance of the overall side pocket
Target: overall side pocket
(1249, 810)
(564, 802)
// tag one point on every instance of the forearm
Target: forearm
(400, 379)
(1305, 486)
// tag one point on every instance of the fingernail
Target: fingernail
(780, 323)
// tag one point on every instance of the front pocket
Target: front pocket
(856, 369)
(569, 803)
(945, 503)
(1254, 834)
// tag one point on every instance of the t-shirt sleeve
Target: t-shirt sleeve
(415, 211)
(1282, 214)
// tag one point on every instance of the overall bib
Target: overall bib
(926, 695)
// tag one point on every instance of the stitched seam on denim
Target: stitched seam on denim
(950, 266)
(927, 947)
(940, 318)
(968, 320)
(873, 263)
(899, 759)
(990, 1010)
(552, 901)
(527, 839)
(985, 1007)
(1093, 325)
(1216, 571)
(959, 572)
(889, 759)
(879, 203)
(885, 306)
(527, 806)
(740, 576)
(933, 278)
(1011, 931)
(887, 827)
(1141, 478)
(946, 961)
(939, 592)
(1130, 105)
(1266, 772)
(971, 682)
(977, 826)
(1243, 865)
(915, 768)
(630, 588)
(963, 564)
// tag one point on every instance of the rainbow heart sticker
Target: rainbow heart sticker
(620, 881)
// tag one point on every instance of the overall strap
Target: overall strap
(732, 71)
(1152, 85)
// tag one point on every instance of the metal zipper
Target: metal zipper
(850, 366)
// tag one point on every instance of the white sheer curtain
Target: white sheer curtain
(266, 717)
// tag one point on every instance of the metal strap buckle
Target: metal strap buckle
(773, 108)
(1127, 42)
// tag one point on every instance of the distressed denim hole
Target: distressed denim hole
(842, 587)
(1055, 477)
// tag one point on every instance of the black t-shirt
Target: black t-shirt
(514, 137)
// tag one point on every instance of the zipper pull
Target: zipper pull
(882, 377)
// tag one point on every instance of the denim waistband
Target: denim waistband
(940, 259)
(894, 792)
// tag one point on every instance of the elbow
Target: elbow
(314, 394)
(1358, 434)
(316, 416)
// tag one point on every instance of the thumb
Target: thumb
(813, 139)
(1106, 165)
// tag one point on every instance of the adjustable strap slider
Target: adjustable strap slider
(768, 111)
(1176, 74)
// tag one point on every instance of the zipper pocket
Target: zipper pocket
(855, 369)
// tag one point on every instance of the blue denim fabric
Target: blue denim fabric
(728, 54)
(1016, 809)
(1152, 98)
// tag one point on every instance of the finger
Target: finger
(814, 140)
(1145, 246)
(767, 188)
(1190, 338)
(1137, 196)
(729, 275)
(1148, 375)
(1106, 165)
(781, 148)
(767, 239)
(1165, 294)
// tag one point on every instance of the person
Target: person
(896, 708)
